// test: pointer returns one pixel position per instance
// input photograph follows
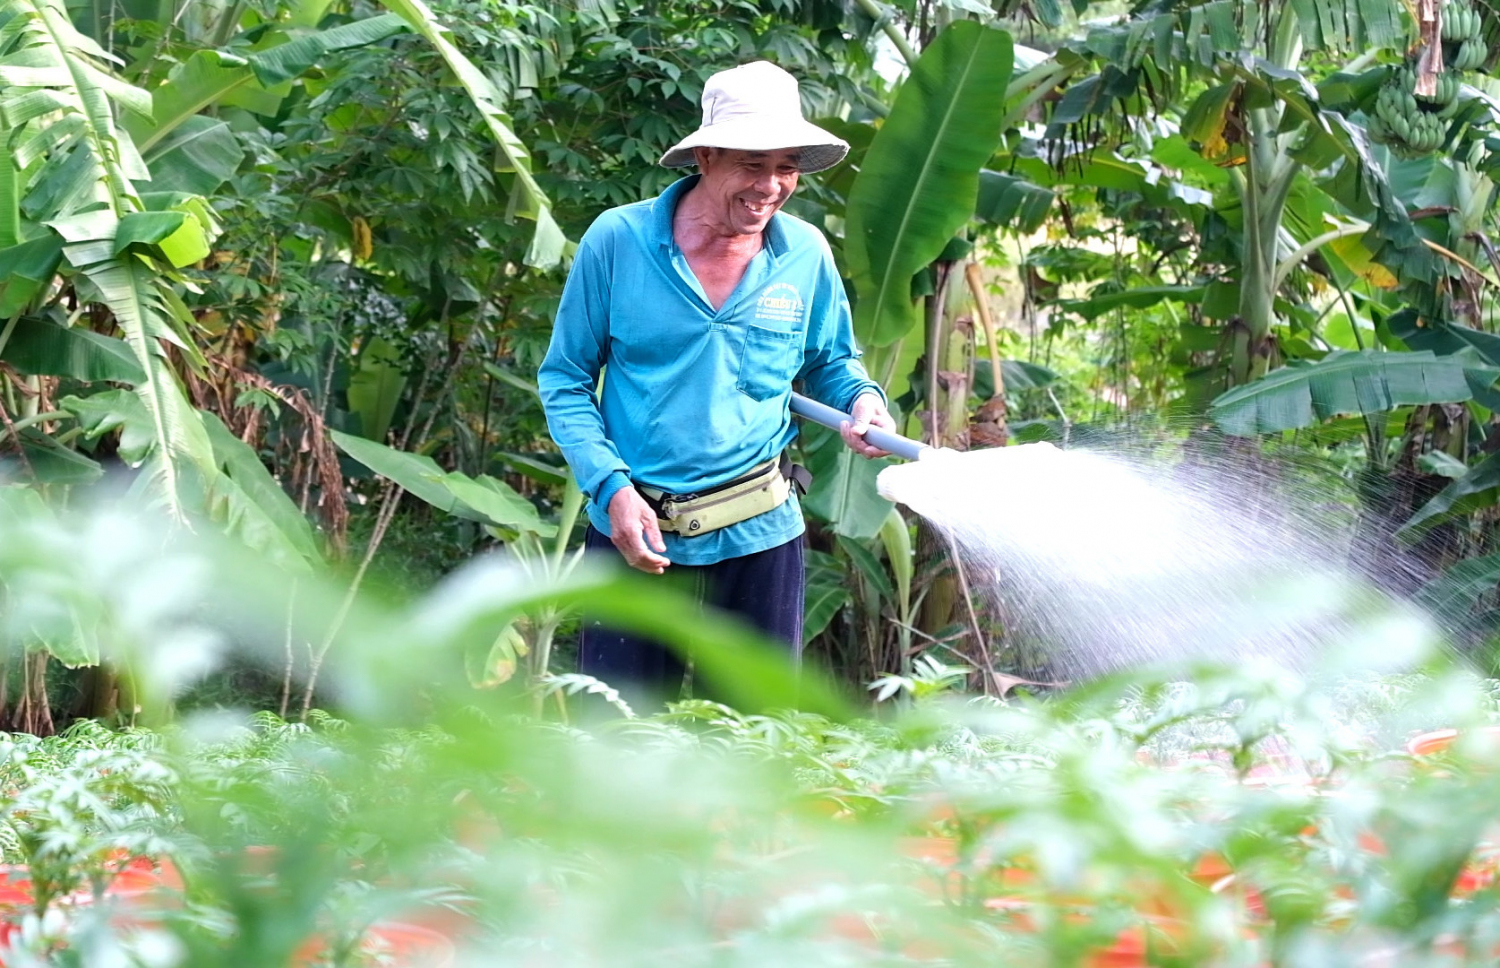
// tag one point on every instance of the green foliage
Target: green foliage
(547, 244)
(375, 388)
(920, 178)
(299, 214)
(1057, 828)
(254, 505)
(1011, 202)
(485, 499)
(843, 492)
(44, 348)
(1341, 383)
(90, 201)
(1476, 490)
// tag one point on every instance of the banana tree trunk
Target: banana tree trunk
(948, 352)
(1266, 183)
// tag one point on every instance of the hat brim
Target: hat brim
(819, 149)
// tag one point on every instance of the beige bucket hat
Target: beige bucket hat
(756, 107)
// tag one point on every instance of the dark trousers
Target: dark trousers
(765, 588)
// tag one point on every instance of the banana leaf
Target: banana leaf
(1017, 374)
(1451, 339)
(176, 237)
(48, 462)
(1139, 297)
(1349, 24)
(1475, 491)
(375, 388)
(1299, 394)
(1012, 202)
(510, 378)
(498, 503)
(843, 491)
(126, 286)
(196, 157)
(1452, 595)
(920, 179)
(532, 466)
(25, 272)
(42, 348)
(484, 499)
(282, 63)
(827, 593)
(10, 198)
(1098, 170)
(869, 565)
(209, 77)
(418, 474)
(111, 410)
(198, 82)
(896, 536)
(253, 504)
(83, 191)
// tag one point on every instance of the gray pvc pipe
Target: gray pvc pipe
(903, 447)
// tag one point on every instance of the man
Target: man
(705, 304)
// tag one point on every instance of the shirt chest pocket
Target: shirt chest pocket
(768, 361)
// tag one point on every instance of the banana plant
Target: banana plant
(102, 195)
(79, 228)
(917, 187)
(75, 208)
(920, 178)
(209, 77)
(1310, 180)
(507, 517)
(871, 585)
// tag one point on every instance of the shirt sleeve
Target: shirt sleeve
(831, 367)
(568, 375)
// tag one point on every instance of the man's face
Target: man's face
(747, 187)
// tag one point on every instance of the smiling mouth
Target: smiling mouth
(759, 210)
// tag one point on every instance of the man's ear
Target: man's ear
(705, 155)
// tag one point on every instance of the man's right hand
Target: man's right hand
(633, 529)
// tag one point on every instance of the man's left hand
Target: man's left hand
(869, 411)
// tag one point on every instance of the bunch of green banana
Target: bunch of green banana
(1448, 82)
(1461, 23)
(1463, 36)
(1447, 87)
(1471, 55)
(1402, 122)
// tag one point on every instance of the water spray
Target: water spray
(1100, 561)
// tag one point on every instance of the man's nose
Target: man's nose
(768, 183)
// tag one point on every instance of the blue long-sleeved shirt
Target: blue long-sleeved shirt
(692, 397)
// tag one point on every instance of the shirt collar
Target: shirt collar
(665, 205)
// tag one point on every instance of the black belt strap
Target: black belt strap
(796, 473)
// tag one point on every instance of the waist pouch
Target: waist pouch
(765, 488)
